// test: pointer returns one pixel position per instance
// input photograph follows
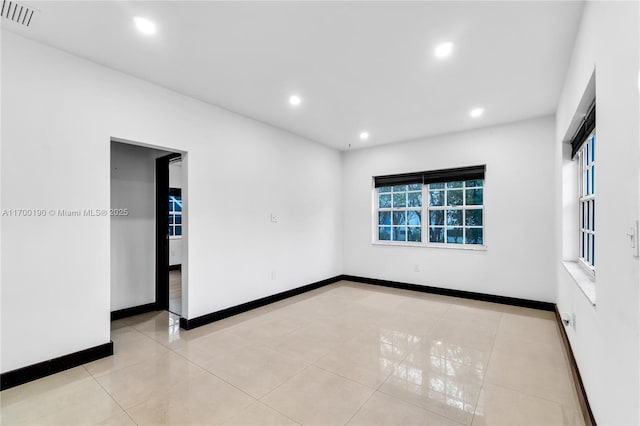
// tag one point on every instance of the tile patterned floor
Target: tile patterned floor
(343, 354)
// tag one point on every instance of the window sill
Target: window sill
(438, 246)
(584, 280)
(175, 237)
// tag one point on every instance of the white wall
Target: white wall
(605, 340)
(133, 236)
(59, 113)
(519, 216)
(175, 244)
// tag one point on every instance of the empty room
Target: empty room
(320, 213)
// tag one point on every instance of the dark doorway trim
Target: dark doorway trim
(162, 231)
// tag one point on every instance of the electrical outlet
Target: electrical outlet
(274, 218)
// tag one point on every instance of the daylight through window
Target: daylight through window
(443, 207)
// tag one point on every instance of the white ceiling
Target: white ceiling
(357, 65)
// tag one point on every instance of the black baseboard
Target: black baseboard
(585, 407)
(52, 366)
(175, 267)
(189, 324)
(135, 310)
(504, 300)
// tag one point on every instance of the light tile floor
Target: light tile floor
(343, 354)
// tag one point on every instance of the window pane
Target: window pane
(436, 198)
(400, 199)
(400, 218)
(436, 186)
(384, 218)
(399, 233)
(384, 189)
(473, 236)
(474, 197)
(454, 217)
(454, 198)
(473, 217)
(454, 235)
(593, 215)
(178, 204)
(415, 186)
(436, 217)
(384, 201)
(170, 219)
(178, 230)
(593, 179)
(384, 233)
(455, 184)
(399, 188)
(171, 231)
(593, 250)
(474, 183)
(436, 235)
(178, 219)
(415, 199)
(586, 157)
(415, 234)
(413, 217)
(588, 183)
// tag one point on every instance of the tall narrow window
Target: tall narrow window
(583, 152)
(586, 158)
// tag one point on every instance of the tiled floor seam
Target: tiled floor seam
(214, 375)
(500, 385)
(262, 401)
(493, 343)
(110, 396)
(360, 408)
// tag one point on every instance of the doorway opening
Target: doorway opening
(147, 258)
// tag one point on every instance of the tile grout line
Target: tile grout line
(484, 376)
(503, 386)
(110, 396)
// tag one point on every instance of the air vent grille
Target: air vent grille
(17, 13)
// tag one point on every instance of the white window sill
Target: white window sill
(474, 247)
(583, 279)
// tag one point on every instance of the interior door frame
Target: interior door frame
(162, 231)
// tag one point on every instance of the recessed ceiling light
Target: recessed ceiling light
(295, 100)
(144, 25)
(476, 112)
(364, 136)
(443, 50)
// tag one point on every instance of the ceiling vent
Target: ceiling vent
(17, 13)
